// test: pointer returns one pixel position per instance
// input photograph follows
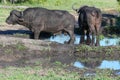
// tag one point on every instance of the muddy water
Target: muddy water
(115, 65)
(110, 41)
(62, 38)
(104, 42)
(103, 64)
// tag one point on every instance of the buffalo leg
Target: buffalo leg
(88, 41)
(36, 34)
(82, 37)
(97, 35)
(93, 38)
(72, 37)
(97, 41)
(92, 29)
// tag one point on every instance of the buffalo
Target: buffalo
(39, 19)
(89, 21)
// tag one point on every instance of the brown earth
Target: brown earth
(19, 51)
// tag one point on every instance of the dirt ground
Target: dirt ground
(19, 51)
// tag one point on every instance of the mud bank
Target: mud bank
(14, 50)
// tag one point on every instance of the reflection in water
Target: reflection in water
(90, 74)
(117, 72)
(78, 64)
(60, 38)
(92, 64)
(88, 64)
(109, 41)
(115, 65)
(104, 42)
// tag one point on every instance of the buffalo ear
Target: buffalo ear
(16, 13)
(21, 19)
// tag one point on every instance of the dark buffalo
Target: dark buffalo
(89, 21)
(41, 19)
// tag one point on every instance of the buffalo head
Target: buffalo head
(15, 17)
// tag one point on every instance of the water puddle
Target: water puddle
(102, 64)
(79, 64)
(115, 65)
(110, 41)
(89, 74)
(105, 64)
(104, 42)
(117, 72)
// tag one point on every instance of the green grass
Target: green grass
(66, 4)
(37, 73)
(3, 15)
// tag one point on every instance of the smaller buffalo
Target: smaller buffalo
(41, 19)
(89, 21)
